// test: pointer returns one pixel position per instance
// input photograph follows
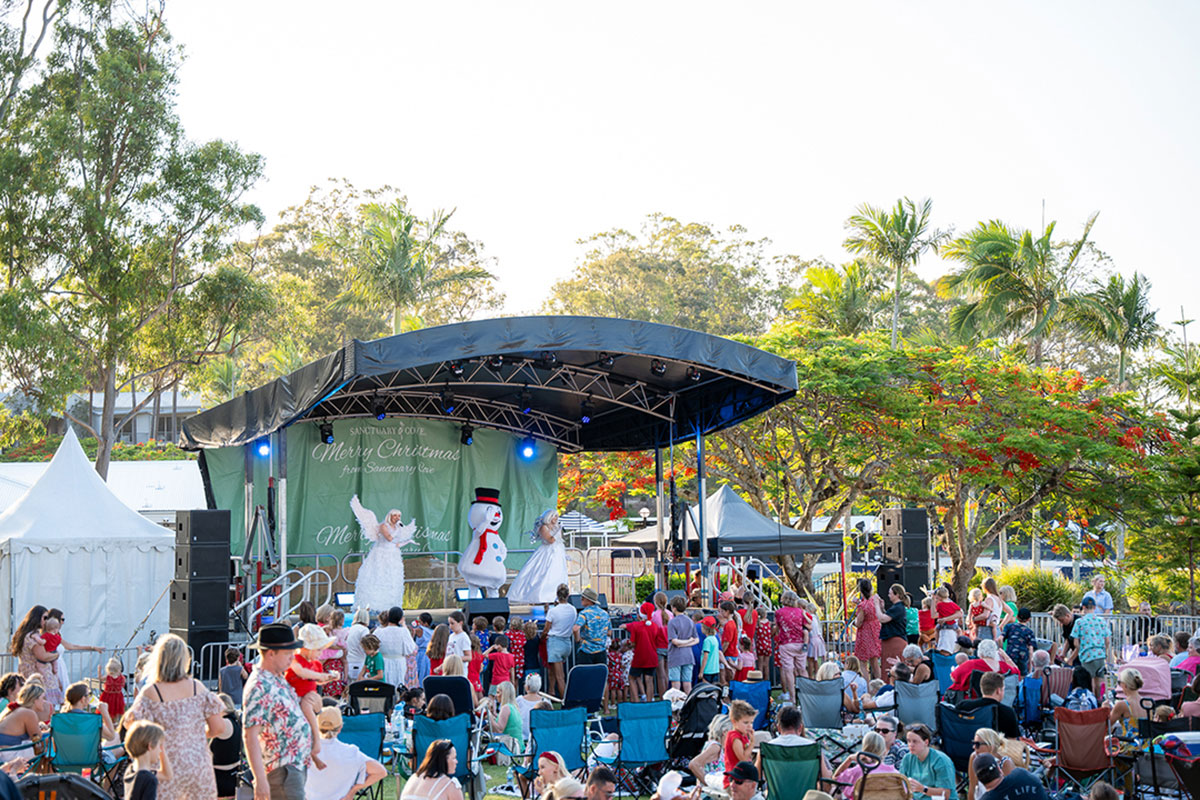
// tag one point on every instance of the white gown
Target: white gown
(538, 580)
(380, 582)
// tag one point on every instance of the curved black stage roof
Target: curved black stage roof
(638, 385)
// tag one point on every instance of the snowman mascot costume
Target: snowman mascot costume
(482, 563)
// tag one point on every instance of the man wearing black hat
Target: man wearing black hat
(277, 737)
(743, 782)
(1017, 785)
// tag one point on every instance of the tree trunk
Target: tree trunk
(799, 575)
(175, 411)
(960, 579)
(896, 306)
(155, 413)
(107, 414)
(1121, 359)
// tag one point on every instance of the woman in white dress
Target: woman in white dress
(380, 583)
(538, 580)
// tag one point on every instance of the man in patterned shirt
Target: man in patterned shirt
(592, 629)
(277, 738)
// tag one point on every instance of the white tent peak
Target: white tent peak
(70, 505)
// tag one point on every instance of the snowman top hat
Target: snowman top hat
(490, 496)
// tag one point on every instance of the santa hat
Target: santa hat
(489, 496)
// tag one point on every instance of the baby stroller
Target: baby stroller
(691, 732)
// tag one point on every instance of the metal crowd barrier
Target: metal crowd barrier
(1127, 628)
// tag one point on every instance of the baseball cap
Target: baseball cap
(743, 771)
(709, 621)
(987, 769)
(1088, 602)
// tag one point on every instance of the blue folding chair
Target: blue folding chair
(76, 744)
(958, 728)
(917, 702)
(585, 687)
(457, 729)
(757, 694)
(366, 732)
(1031, 703)
(943, 665)
(642, 728)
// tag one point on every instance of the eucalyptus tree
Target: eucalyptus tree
(1014, 283)
(897, 238)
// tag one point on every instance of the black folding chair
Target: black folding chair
(372, 697)
(456, 687)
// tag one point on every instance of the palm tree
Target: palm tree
(399, 263)
(1014, 281)
(843, 299)
(897, 238)
(1119, 313)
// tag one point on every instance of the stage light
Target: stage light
(456, 367)
(549, 358)
(607, 360)
(466, 435)
(379, 408)
(496, 362)
(657, 367)
(447, 400)
(693, 374)
(585, 411)
(526, 402)
(263, 448)
(528, 448)
(326, 429)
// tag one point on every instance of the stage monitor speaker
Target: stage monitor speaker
(485, 607)
(904, 549)
(200, 604)
(203, 527)
(905, 522)
(911, 576)
(203, 562)
(577, 601)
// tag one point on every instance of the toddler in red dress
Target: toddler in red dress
(114, 688)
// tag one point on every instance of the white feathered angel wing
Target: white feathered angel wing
(405, 533)
(366, 519)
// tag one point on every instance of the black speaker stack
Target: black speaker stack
(487, 607)
(203, 570)
(904, 550)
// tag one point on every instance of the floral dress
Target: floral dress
(762, 637)
(186, 745)
(866, 639)
(27, 664)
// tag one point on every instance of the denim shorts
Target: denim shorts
(682, 673)
(558, 648)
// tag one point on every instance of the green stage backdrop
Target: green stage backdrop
(416, 466)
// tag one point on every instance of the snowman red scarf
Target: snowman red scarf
(483, 544)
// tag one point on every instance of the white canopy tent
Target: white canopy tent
(70, 543)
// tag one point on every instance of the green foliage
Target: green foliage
(43, 449)
(1165, 590)
(1041, 589)
(643, 587)
(18, 429)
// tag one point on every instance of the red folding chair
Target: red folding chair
(1083, 755)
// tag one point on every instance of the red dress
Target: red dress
(114, 695)
(866, 640)
(302, 685)
(762, 638)
(516, 646)
(473, 668)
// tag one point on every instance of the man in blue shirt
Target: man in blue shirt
(592, 629)
(1095, 642)
(1104, 600)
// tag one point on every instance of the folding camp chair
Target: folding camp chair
(563, 731)
(456, 687)
(820, 702)
(958, 728)
(1082, 756)
(1150, 759)
(790, 771)
(917, 702)
(458, 730)
(585, 687)
(366, 732)
(76, 745)
(882, 786)
(1030, 709)
(757, 694)
(60, 786)
(943, 665)
(372, 697)
(642, 728)
(1057, 682)
(1012, 691)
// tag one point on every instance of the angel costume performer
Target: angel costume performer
(380, 583)
(538, 580)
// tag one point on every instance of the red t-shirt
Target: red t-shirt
(644, 636)
(302, 685)
(730, 756)
(729, 639)
(962, 673)
(926, 622)
(502, 663)
(473, 671)
(749, 622)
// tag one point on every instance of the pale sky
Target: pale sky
(545, 122)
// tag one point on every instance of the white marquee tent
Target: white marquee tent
(70, 543)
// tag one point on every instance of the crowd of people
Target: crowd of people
(280, 711)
